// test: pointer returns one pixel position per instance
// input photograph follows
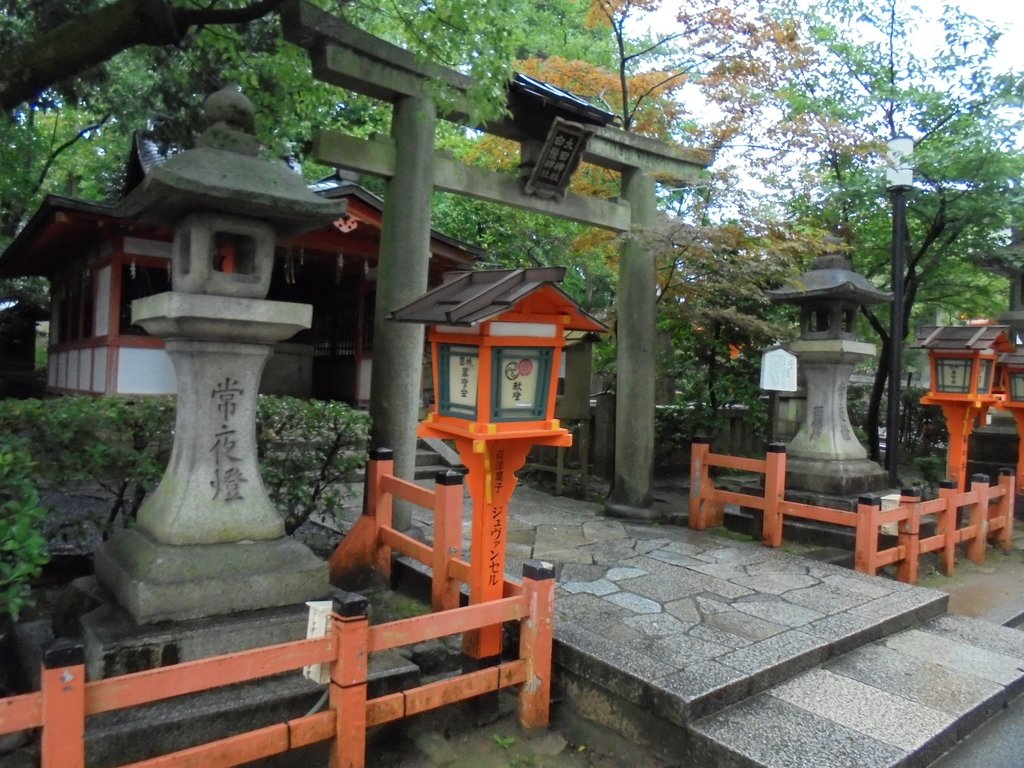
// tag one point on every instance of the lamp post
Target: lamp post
(496, 342)
(899, 177)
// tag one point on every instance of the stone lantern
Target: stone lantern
(825, 456)
(208, 541)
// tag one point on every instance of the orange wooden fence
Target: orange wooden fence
(66, 699)
(973, 518)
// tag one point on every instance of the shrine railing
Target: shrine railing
(972, 518)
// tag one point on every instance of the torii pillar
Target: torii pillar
(636, 360)
(402, 277)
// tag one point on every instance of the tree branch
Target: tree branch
(95, 37)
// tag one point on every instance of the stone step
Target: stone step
(903, 700)
(599, 671)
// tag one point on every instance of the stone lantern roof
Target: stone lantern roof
(225, 174)
(830, 278)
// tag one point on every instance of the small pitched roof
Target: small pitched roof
(965, 337)
(471, 298)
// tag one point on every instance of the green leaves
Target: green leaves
(309, 450)
(22, 546)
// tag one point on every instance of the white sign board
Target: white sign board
(778, 370)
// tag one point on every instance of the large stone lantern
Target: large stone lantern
(208, 541)
(825, 456)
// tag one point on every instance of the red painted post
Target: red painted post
(978, 518)
(63, 691)
(536, 634)
(448, 492)
(1005, 508)
(378, 505)
(700, 481)
(348, 681)
(866, 545)
(910, 537)
(774, 494)
(947, 525)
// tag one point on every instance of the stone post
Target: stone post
(635, 383)
(402, 276)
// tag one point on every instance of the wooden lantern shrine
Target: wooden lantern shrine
(1010, 374)
(963, 382)
(496, 340)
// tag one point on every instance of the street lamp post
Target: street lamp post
(899, 176)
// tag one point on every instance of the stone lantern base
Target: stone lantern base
(843, 477)
(160, 582)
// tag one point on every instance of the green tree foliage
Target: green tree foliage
(864, 80)
(83, 76)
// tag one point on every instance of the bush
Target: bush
(22, 545)
(308, 449)
(119, 444)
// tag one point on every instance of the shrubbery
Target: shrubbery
(22, 545)
(308, 449)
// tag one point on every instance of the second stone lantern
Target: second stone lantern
(825, 456)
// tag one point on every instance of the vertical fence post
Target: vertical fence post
(774, 493)
(444, 590)
(947, 525)
(910, 536)
(350, 626)
(700, 447)
(63, 692)
(379, 505)
(978, 518)
(1005, 508)
(536, 634)
(866, 546)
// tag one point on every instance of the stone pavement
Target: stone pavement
(718, 652)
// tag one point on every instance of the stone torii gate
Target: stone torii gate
(350, 58)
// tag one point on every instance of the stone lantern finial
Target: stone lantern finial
(232, 119)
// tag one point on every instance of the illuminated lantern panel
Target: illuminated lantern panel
(520, 387)
(953, 375)
(460, 373)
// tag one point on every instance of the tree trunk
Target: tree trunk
(875, 405)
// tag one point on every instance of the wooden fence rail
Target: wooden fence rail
(66, 699)
(973, 518)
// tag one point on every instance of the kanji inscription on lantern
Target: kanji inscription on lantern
(463, 373)
(519, 383)
(227, 477)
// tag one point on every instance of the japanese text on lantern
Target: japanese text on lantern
(227, 477)
(495, 537)
(496, 528)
